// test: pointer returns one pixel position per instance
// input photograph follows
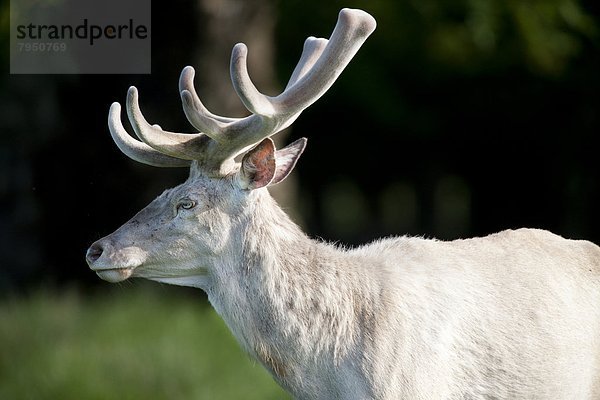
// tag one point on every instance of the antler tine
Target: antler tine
(321, 62)
(254, 101)
(223, 138)
(196, 113)
(313, 48)
(317, 69)
(352, 29)
(233, 135)
(178, 145)
(135, 149)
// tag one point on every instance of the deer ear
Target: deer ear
(258, 165)
(286, 159)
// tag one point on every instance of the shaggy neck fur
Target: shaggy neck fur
(293, 313)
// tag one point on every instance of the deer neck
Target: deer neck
(286, 297)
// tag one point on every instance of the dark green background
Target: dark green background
(456, 118)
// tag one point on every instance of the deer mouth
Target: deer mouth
(113, 265)
(115, 275)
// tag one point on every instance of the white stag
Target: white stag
(514, 315)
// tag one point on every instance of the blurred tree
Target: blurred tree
(225, 23)
(456, 118)
(29, 115)
(494, 94)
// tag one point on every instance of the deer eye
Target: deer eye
(186, 204)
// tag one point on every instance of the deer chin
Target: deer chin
(192, 276)
(198, 281)
(115, 275)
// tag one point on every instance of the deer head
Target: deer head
(178, 236)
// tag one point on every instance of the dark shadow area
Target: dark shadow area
(455, 119)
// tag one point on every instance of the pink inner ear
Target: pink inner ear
(259, 166)
(287, 158)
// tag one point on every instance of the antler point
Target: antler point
(188, 70)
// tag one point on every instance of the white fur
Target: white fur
(514, 315)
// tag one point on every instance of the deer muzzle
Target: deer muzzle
(112, 263)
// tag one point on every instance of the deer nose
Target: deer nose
(94, 253)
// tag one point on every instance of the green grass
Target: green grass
(131, 342)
